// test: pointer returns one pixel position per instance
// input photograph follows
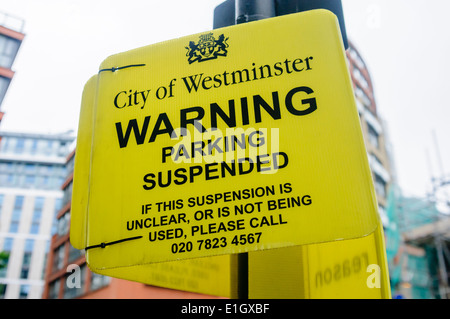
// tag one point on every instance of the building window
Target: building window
(17, 212)
(44, 269)
(359, 93)
(34, 144)
(4, 84)
(20, 146)
(360, 78)
(4, 179)
(4, 166)
(380, 186)
(74, 254)
(46, 169)
(58, 258)
(8, 51)
(67, 194)
(24, 291)
(53, 289)
(39, 203)
(26, 262)
(44, 182)
(29, 181)
(18, 203)
(63, 148)
(8, 243)
(37, 214)
(356, 58)
(375, 159)
(10, 179)
(14, 227)
(70, 165)
(25, 265)
(29, 244)
(5, 141)
(34, 229)
(2, 197)
(383, 215)
(30, 168)
(58, 203)
(2, 291)
(373, 136)
(48, 149)
(99, 281)
(64, 224)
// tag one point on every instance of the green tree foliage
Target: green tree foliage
(4, 256)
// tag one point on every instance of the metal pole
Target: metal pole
(252, 10)
(248, 11)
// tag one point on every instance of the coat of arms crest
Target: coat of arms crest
(207, 48)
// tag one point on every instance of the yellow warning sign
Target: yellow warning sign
(236, 140)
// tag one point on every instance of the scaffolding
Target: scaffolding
(417, 241)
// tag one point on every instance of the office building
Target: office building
(32, 169)
(11, 37)
(374, 130)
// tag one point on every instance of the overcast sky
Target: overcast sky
(405, 44)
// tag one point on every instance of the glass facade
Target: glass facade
(4, 84)
(32, 162)
(16, 214)
(26, 261)
(8, 50)
(32, 171)
(34, 145)
(53, 289)
(11, 37)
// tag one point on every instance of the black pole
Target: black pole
(232, 12)
(252, 10)
(244, 11)
(248, 11)
(242, 276)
